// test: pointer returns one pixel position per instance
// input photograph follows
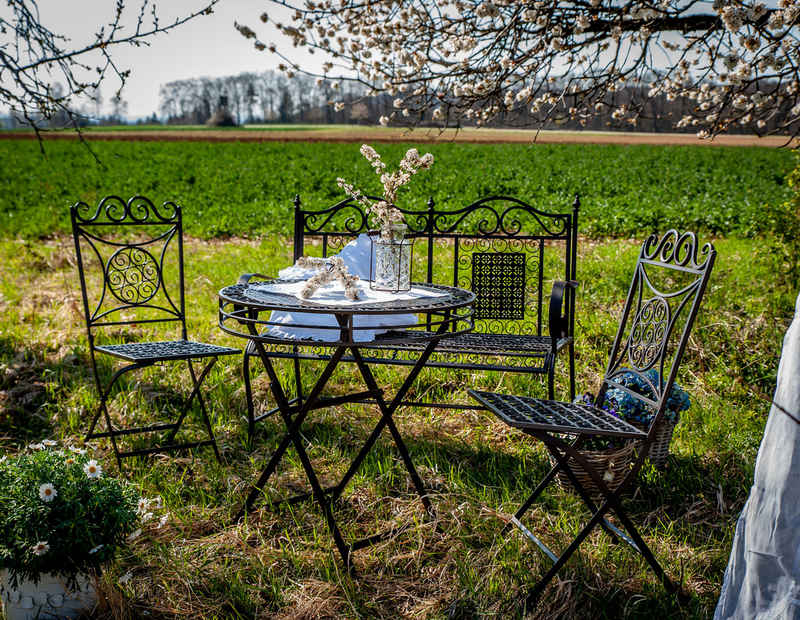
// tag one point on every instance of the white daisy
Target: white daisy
(142, 505)
(40, 548)
(93, 469)
(36, 446)
(49, 443)
(47, 492)
(162, 521)
(77, 450)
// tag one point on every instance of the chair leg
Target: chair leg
(248, 392)
(551, 379)
(571, 372)
(102, 410)
(197, 382)
(537, 590)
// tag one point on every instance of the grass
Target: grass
(246, 189)
(283, 564)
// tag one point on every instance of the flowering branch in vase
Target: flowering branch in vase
(383, 212)
(328, 269)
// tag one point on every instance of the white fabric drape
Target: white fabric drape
(763, 575)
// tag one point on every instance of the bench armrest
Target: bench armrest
(558, 321)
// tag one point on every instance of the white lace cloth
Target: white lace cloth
(763, 575)
(356, 257)
(332, 294)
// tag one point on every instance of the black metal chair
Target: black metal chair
(664, 297)
(137, 245)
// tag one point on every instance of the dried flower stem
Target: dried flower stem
(384, 212)
(328, 269)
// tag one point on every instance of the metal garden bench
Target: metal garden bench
(519, 261)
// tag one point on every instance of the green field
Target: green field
(247, 188)
(283, 564)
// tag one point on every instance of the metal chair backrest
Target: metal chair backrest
(498, 247)
(136, 246)
(664, 297)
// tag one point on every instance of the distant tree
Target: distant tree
(33, 56)
(119, 110)
(729, 63)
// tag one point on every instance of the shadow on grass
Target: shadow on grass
(32, 383)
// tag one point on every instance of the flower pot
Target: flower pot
(50, 598)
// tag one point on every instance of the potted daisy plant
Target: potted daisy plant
(61, 520)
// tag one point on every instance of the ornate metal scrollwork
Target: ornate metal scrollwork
(678, 249)
(501, 215)
(509, 267)
(133, 275)
(137, 210)
(649, 331)
(498, 281)
(350, 217)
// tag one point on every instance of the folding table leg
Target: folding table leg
(293, 436)
(387, 411)
(386, 418)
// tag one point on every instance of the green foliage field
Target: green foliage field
(247, 188)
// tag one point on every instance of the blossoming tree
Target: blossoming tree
(730, 63)
(42, 73)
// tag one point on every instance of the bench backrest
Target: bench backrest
(503, 249)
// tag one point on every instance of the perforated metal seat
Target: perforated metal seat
(475, 342)
(531, 414)
(146, 352)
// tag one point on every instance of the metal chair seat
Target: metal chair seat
(149, 352)
(556, 417)
(528, 345)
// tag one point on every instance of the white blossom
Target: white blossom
(93, 469)
(47, 492)
(40, 548)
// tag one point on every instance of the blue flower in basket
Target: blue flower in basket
(633, 410)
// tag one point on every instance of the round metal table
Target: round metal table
(240, 309)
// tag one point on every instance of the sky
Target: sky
(206, 46)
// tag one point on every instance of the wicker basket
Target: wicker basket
(659, 449)
(613, 464)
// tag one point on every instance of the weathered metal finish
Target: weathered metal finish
(669, 280)
(128, 243)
